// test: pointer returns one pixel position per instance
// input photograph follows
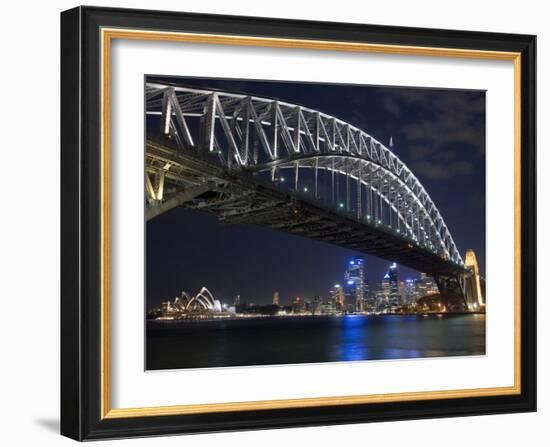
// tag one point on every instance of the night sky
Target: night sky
(438, 133)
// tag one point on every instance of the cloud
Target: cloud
(476, 201)
(442, 171)
(391, 106)
(451, 119)
(441, 132)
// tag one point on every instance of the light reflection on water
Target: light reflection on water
(353, 343)
(311, 340)
(356, 343)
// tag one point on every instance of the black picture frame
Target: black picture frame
(81, 391)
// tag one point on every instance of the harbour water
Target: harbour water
(310, 339)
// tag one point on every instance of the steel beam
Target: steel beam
(177, 199)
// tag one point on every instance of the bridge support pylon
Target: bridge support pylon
(461, 292)
(452, 292)
(472, 283)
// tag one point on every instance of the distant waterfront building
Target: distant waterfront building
(166, 309)
(383, 299)
(416, 289)
(410, 288)
(393, 297)
(338, 297)
(369, 302)
(316, 305)
(276, 300)
(403, 298)
(308, 306)
(298, 306)
(328, 307)
(390, 293)
(184, 306)
(429, 285)
(237, 300)
(355, 283)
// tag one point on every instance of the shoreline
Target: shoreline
(263, 316)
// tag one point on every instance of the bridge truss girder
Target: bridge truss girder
(451, 290)
(243, 198)
(257, 135)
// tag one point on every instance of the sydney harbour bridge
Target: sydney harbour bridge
(251, 160)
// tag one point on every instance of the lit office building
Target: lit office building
(317, 305)
(410, 291)
(338, 297)
(393, 279)
(430, 287)
(403, 296)
(383, 294)
(355, 283)
(298, 306)
(276, 300)
(328, 307)
(369, 301)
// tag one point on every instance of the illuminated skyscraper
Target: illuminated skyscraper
(369, 298)
(410, 289)
(383, 294)
(403, 297)
(393, 277)
(338, 297)
(355, 282)
(276, 301)
(429, 285)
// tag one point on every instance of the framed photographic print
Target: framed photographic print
(274, 223)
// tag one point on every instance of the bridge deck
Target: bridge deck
(239, 197)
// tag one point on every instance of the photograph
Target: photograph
(289, 219)
(299, 222)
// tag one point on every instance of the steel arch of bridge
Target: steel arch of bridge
(286, 143)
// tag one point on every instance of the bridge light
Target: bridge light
(282, 179)
(306, 189)
(341, 205)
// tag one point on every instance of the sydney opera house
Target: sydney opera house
(185, 305)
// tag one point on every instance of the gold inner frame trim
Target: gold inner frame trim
(107, 35)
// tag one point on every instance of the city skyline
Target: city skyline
(392, 294)
(185, 247)
(354, 290)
